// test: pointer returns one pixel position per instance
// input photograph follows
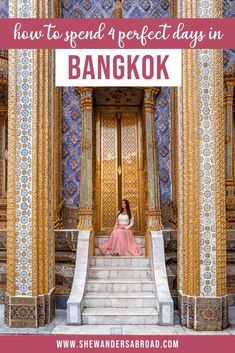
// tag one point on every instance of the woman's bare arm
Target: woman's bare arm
(131, 223)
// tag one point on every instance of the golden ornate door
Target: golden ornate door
(119, 165)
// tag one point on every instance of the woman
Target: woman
(121, 241)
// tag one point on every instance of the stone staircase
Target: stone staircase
(119, 289)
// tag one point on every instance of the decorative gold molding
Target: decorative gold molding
(229, 140)
(3, 161)
(35, 149)
(191, 261)
(174, 143)
(174, 9)
(117, 13)
(40, 187)
(221, 273)
(229, 91)
(11, 188)
(57, 144)
(221, 276)
(176, 167)
(218, 10)
(190, 187)
(86, 217)
(150, 95)
(153, 213)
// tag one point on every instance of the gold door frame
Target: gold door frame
(118, 163)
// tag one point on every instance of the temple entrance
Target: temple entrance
(119, 165)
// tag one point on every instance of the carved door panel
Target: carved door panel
(119, 165)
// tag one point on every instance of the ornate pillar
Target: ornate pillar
(56, 102)
(3, 166)
(86, 180)
(229, 95)
(3, 136)
(202, 262)
(154, 221)
(30, 253)
(117, 13)
(229, 145)
(3, 153)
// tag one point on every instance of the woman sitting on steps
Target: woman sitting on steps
(121, 241)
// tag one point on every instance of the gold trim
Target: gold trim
(57, 140)
(40, 167)
(35, 146)
(174, 143)
(176, 166)
(129, 153)
(191, 220)
(40, 226)
(229, 140)
(153, 212)
(3, 164)
(57, 201)
(86, 220)
(109, 162)
(11, 192)
(117, 13)
(140, 166)
(191, 229)
(45, 181)
(174, 9)
(221, 276)
(98, 171)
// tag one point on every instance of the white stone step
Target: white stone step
(102, 238)
(119, 316)
(120, 285)
(99, 253)
(120, 261)
(120, 273)
(119, 300)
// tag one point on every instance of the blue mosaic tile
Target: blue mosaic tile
(4, 8)
(228, 12)
(87, 8)
(163, 131)
(71, 146)
(146, 8)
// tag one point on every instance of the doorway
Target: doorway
(119, 171)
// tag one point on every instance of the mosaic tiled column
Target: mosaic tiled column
(30, 253)
(3, 171)
(202, 295)
(230, 145)
(3, 137)
(229, 95)
(86, 182)
(3, 154)
(154, 221)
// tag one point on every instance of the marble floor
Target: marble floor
(58, 326)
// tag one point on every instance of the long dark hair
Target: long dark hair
(128, 210)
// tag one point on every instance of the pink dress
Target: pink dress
(121, 241)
